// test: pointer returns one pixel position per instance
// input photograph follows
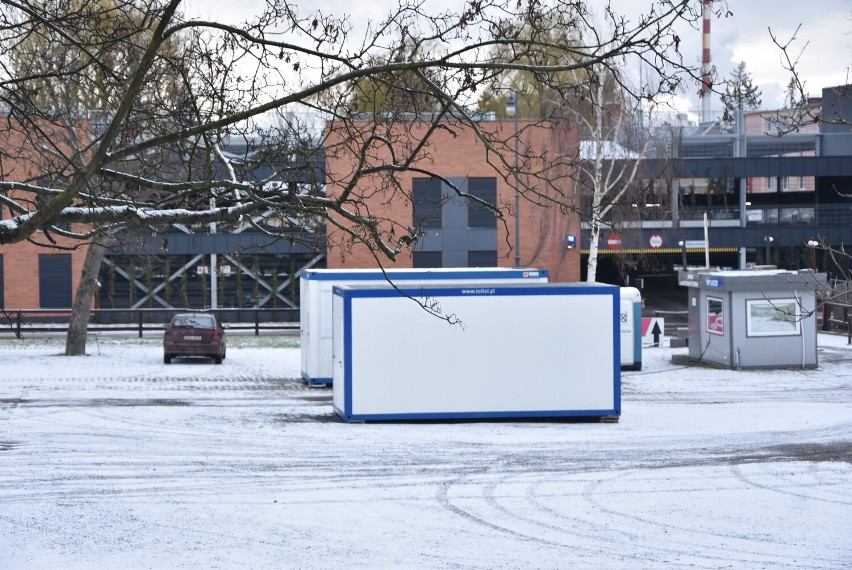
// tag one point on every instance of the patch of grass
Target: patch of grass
(264, 341)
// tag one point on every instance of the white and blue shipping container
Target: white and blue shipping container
(316, 292)
(631, 329)
(537, 351)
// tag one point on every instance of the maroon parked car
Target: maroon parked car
(194, 334)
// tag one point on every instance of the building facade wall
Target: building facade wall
(763, 123)
(22, 283)
(457, 153)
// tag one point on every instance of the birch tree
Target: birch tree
(608, 169)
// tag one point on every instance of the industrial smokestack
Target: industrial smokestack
(706, 80)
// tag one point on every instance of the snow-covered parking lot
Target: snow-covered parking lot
(116, 460)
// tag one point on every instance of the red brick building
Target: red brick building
(40, 275)
(457, 232)
(36, 277)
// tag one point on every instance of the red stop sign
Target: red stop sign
(614, 242)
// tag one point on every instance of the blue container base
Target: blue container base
(316, 381)
(572, 416)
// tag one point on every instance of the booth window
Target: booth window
(773, 317)
(715, 317)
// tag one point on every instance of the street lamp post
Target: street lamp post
(768, 240)
(813, 245)
(742, 182)
(512, 110)
(682, 245)
(214, 266)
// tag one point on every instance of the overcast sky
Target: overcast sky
(823, 47)
(824, 43)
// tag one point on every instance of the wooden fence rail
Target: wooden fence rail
(21, 321)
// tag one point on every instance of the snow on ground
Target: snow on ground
(116, 460)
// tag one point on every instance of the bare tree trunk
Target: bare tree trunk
(75, 342)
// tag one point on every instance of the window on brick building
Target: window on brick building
(479, 216)
(426, 201)
(54, 280)
(425, 259)
(482, 258)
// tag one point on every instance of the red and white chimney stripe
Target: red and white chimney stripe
(706, 80)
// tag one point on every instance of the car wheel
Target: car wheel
(167, 358)
(217, 359)
(223, 354)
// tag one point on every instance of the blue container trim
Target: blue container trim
(321, 275)
(552, 289)
(474, 290)
(316, 381)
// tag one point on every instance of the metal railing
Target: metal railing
(713, 212)
(836, 317)
(140, 321)
(756, 215)
(836, 312)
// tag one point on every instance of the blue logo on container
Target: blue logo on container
(714, 282)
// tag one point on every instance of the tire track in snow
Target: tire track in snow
(787, 486)
(576, 545)
(678, 539)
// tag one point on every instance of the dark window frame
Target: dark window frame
(427, 259)
(427, 202)
(486, 258)
(478, 216)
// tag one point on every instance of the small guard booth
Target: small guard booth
(517, 351)
(760, 318)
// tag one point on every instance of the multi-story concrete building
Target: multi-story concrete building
(765, 189)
